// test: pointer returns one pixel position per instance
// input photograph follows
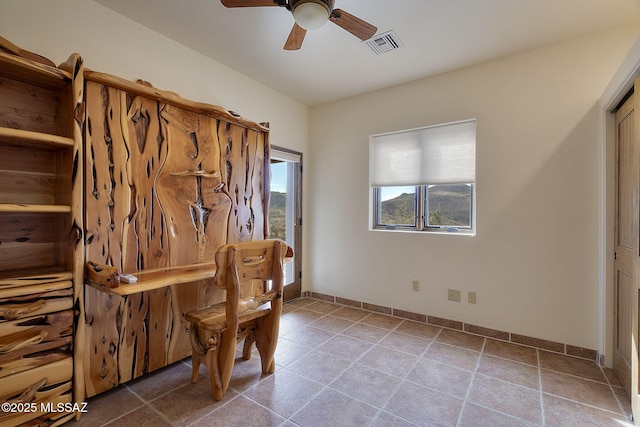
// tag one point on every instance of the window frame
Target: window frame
(421, 210)
(421, 199)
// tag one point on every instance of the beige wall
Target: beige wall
(535, 261)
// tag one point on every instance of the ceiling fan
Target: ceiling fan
(311, 15)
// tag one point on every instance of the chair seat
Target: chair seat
(213, 318)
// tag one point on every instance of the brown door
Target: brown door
(627, 244)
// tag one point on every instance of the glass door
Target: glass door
(285, 212)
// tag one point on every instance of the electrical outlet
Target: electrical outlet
(453, 295)
(471, 297)
(415, 285)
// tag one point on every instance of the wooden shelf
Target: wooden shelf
(32, 72)
(157, 278)
(151, 279)
(18, 208)
(33, 276)
(45, 140)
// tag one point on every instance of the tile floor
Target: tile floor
(340, 366)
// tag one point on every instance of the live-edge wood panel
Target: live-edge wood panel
(166, 183)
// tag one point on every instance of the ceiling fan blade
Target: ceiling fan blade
(250, 3)
(356, 26)
(296, 37)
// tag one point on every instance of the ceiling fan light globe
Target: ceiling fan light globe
(311, 16)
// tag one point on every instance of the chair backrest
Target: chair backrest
(254, 260)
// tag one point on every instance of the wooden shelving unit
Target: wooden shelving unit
(41, 228)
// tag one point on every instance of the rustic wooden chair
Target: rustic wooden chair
(254, 317)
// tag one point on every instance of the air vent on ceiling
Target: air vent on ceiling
(383, 43)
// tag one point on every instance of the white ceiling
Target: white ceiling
(439, 36)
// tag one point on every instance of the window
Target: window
(424, 179)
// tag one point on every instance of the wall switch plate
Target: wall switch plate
(415, 285)
(453, 295)
(471, 297)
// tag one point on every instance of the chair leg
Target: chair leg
(196, 359)
(266, 341)
(198, 350)
(213, 366)
(248, 345)
(225, 354)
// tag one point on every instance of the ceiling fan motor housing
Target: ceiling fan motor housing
(328, 4)
(311, 14)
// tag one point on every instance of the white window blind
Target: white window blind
(442, 154)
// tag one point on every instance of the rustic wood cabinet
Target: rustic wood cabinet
(41, 235)
(167, 182)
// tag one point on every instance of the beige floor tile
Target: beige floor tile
(580, 390)
(189, 403)
(333, 324)
(145, 416)
(424, 406)
(477, 416)
(285, 392)
(571, 365)
(517, 401)
(461, 339)
(367, 333)
(302, 316)
(444, 378)
(560, 412)
(309, 336)
(388, 361)
(507, 370)
(385, 419)
(406, 343)
(416, 329)
(246, 374)
(287, 326)
(320, 366)
(335, 409)
(240, 412)
(323, 307)
(515, 352)
(288, 351)
(163, 381)
(346, 347)
(350, 313)
(381, 321)
(452, 355)
(109, 405)
(366, 384)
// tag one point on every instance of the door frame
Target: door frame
(294, 290)
(621, 83)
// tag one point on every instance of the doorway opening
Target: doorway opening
(285, 212)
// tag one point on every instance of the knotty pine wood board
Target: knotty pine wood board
(29, 107)
(122, 214)
(191, 189)
(34, 341)
(129, 336)
(244, 165)
(103, 318)
(56, 373)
